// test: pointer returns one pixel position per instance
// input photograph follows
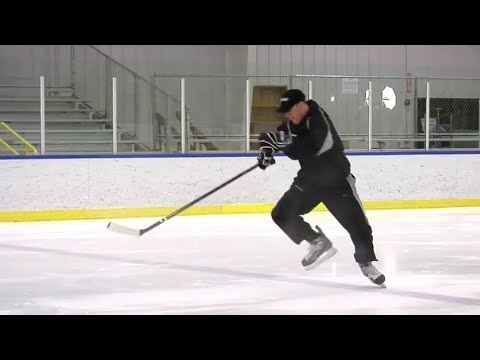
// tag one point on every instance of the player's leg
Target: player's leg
(288, 215)
(346, 206)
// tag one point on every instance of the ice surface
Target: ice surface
(240, 264)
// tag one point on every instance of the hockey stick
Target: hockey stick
(139, 232)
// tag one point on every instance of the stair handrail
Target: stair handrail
(19, 137)
(4, 143)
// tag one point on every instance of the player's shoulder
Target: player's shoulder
(315, 112)
(314, 109)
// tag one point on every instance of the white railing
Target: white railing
(373, 116)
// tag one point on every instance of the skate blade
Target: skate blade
(382, 285)
(325, 256)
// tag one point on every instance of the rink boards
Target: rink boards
(91, 187)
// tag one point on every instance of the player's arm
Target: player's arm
(317, 140)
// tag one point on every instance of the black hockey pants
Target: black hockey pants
(343, 203)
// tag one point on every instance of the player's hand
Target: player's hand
(265, 157)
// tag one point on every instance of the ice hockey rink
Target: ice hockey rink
(240, 264)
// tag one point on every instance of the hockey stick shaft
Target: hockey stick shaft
(200, 198)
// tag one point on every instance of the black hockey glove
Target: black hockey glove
(275, 140)
(265, 157)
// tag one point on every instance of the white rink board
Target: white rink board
(95, 183)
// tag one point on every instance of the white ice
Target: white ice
(240, 264)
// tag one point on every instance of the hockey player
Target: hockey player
(309, 136)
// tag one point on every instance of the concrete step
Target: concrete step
(67, 137)
(36, 99)
(49, 110)
(51, 149)
(49, 120)
(92, 149)
(50, 107)
(60, 131)
(72, 147)
(34, 91)
(84, 142)
(62, 126)
(68, 133)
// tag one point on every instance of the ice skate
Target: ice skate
(319, 251)
(372, 273)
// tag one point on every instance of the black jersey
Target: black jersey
(318, 149)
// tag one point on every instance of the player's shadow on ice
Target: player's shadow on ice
(249, 275)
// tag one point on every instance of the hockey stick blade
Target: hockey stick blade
(139, 232)
(121, 229)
